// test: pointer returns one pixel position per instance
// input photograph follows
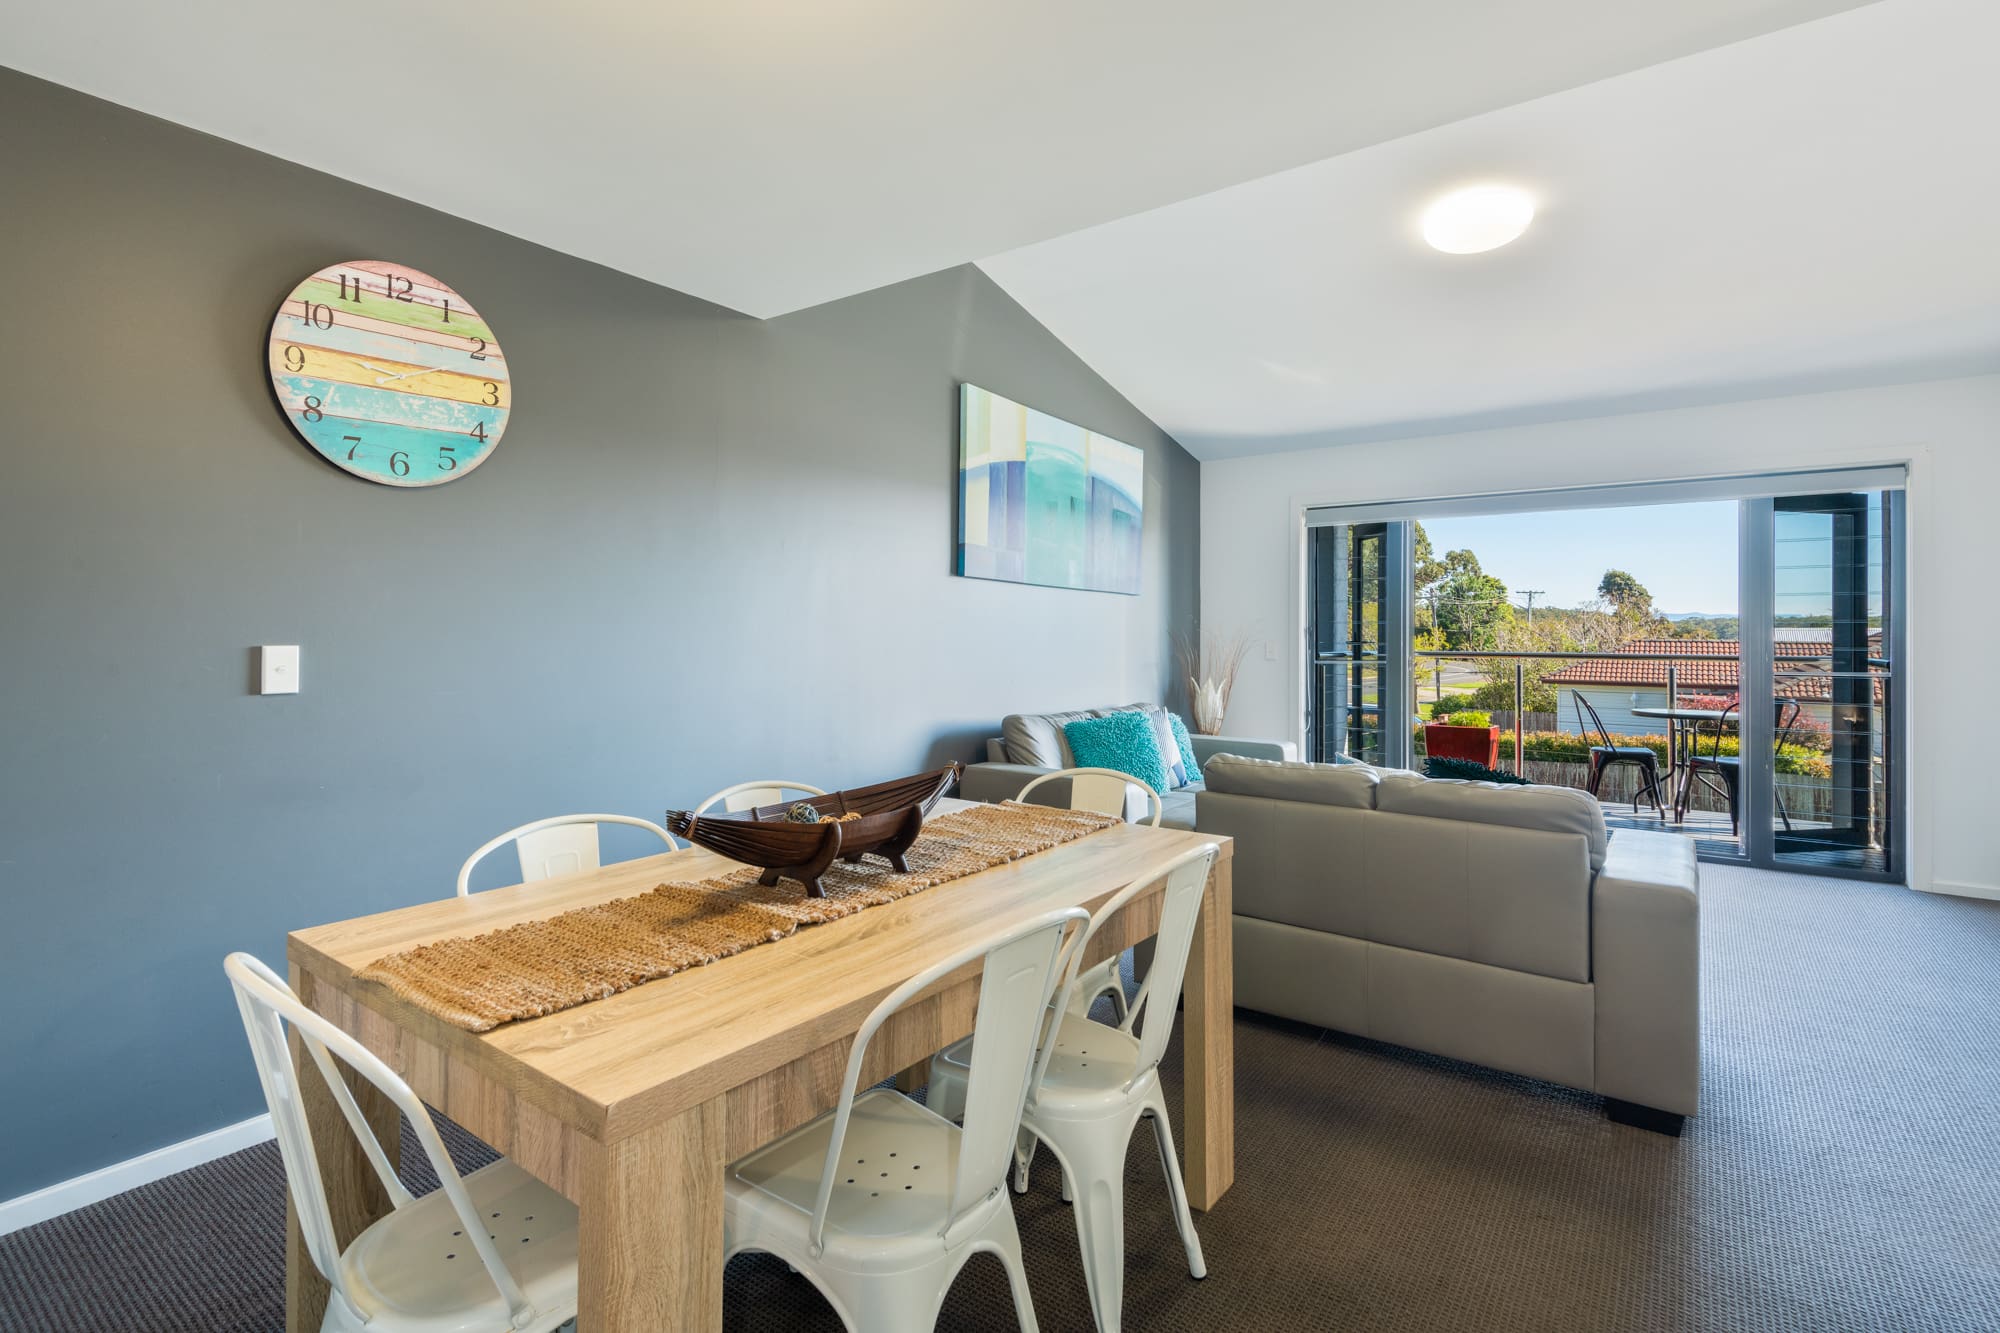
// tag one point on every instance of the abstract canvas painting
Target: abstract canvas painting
(1042, 500)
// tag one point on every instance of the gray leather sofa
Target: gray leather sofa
(1032, 744)
(1493, 924)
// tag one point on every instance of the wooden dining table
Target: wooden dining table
(631, 1106)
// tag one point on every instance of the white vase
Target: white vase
(1209, 704)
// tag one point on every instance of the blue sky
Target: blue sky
(1685, 554)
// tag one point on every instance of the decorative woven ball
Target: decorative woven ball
(802, 813)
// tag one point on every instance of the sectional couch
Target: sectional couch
(1493, 924)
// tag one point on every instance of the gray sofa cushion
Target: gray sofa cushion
(1349, 785)
(1549, 809)
(1037, 738)
(1177, 806)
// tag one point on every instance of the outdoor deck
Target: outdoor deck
(1714, 842)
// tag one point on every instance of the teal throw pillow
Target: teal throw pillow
(1188, 761)
(1122, 742)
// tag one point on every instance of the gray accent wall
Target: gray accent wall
(708, 548)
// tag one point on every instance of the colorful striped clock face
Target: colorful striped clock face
(388, 373)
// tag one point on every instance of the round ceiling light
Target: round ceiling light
(1480, 217)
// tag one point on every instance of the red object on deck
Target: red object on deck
(1479, 744)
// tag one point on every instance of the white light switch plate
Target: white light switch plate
(278, 668)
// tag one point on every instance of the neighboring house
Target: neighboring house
(1615, 688)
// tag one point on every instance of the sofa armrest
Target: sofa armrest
(991, 782)
(1003, 782)
(1207, 747)
(1645, 966)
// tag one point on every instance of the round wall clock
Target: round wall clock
(388, 373)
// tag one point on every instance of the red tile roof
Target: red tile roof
(1699, 676)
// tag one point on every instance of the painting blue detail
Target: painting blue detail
(1043, 500)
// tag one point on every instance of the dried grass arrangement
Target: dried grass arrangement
(1209, 663)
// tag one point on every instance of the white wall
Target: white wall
(1948, 431)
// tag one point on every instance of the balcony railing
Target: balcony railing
(1549, 753)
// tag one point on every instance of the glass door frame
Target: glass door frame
(1757, 679)
(1338, 635)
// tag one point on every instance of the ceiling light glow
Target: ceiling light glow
(1480, 217)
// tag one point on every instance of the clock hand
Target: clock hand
(429, 370)
(380, 370)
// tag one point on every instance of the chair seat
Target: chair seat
(1714, 761)
(419, 1274)
(1625, 752)
(1091, 1064)
(889, 1202)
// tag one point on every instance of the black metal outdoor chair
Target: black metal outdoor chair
(1605, 756)
(1719, 772)
(1727, 769)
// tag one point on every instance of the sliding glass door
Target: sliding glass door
(1776, 726)
(1825, 787)
(1359, 689)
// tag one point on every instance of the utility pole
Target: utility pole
(1531, 594)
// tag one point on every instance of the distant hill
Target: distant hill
(1697, 615)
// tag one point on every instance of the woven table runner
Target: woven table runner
(534, 968)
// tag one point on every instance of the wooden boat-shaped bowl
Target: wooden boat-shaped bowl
(891, 815)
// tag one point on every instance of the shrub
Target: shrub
(1468, 717)
(1439, 767)
(1567, 747)
(1498, 695)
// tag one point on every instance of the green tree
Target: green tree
(1472, 607)
(1628, 596)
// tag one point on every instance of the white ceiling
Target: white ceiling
(1811, 207)
(774, 154)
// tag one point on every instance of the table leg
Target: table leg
(354, 1194)
(1209, 1047)
(650, 1241)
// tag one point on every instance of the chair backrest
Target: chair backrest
(1787, 712)
(1160, 993)
(1099, 789)
(1584, 706)
(267, 1004)
(758, 791)
(559, 845)
(1022, 966)
(1721, 725)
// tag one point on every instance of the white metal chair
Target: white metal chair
(756, 792)
(881, 1202)
(432, 1265)
(1106, 791)
(1094, 1083)
(558, 845)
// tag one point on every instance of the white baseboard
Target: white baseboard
(1961, 890)
(68, 1195)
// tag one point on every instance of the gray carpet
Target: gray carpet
(1844, 1174)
